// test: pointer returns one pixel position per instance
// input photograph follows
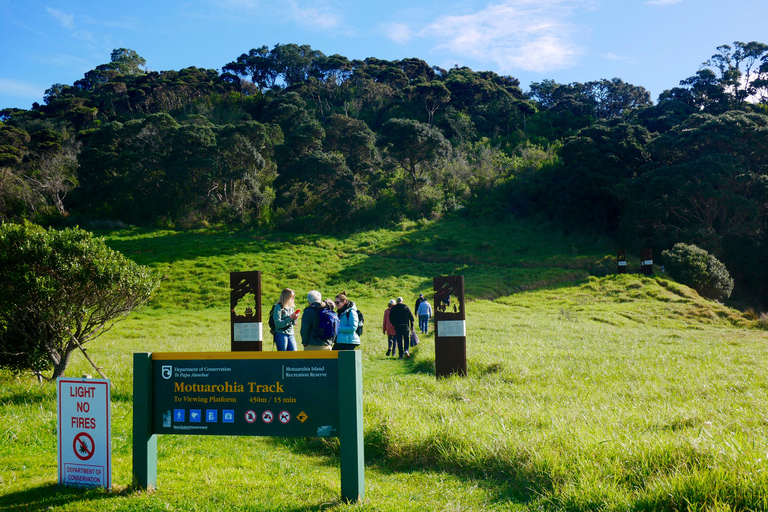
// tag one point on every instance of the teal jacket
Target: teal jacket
(348, 326)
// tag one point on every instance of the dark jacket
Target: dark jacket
(402, 318)
(309, 320)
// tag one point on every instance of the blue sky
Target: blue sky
(650, 43)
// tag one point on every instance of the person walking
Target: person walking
(418, 303)
(389, 329)
(402, 318)
(348, 339)
(425, 313)
(284, 314)
(310, 320)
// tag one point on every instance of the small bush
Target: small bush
(695, 267)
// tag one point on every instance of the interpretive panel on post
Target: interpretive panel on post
(451, 328)
(282, 394)
(250, 331)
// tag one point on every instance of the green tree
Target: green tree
(589, 189)
(709, 181)
(355, 141)
(415, 146)
(734, 77)
(432, 95)
(58, 291)
(127, 62)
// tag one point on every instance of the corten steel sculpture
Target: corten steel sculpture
(246, 329)
(646, 261)
(450, 326)
(621, 262)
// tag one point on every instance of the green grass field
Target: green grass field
(586, 390)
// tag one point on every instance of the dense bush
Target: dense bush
(58, 291)
(695, 267)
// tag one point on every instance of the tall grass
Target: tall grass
(584, 393)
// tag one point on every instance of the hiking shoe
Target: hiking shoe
(407, 355)
(388, 351)
(400, 357)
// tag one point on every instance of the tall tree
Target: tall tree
(415, 146)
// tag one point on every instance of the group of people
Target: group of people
(398, 324)
(285, 316)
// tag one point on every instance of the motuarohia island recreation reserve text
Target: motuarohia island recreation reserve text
(304, 371)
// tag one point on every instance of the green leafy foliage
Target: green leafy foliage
(288, 136)
(695, 267)
(58, 291)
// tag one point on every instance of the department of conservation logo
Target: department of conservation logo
(167, 371)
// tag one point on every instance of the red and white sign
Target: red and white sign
(85, 455)
(284, 417)
(250, 416)
(267, 416)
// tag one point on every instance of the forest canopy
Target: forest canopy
(288, 137)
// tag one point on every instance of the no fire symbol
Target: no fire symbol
(83, 446)
(250, 416)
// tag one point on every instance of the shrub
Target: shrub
(695, 267)
(59, 290)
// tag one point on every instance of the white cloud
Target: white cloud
(400, 33)
(321, 17)
(67, 20)
(19, 89)
(317, 15)
(613, 56)
(531, 35)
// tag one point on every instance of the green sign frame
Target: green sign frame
(279, 394)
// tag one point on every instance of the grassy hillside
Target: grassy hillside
(586, 390)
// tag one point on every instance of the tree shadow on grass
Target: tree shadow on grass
(27, 398)
(507, 477)
(513, 478)
(168, 247)
(52, 496)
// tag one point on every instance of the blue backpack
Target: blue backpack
(327, 324)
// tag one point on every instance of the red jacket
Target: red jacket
(387, 326)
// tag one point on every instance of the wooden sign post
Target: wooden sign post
(450, 326)
(246, 329)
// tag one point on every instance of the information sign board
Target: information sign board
(281, 394)
(204, 394)
(84, 435)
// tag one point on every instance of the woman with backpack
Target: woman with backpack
(284, 316)
(348, 338)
